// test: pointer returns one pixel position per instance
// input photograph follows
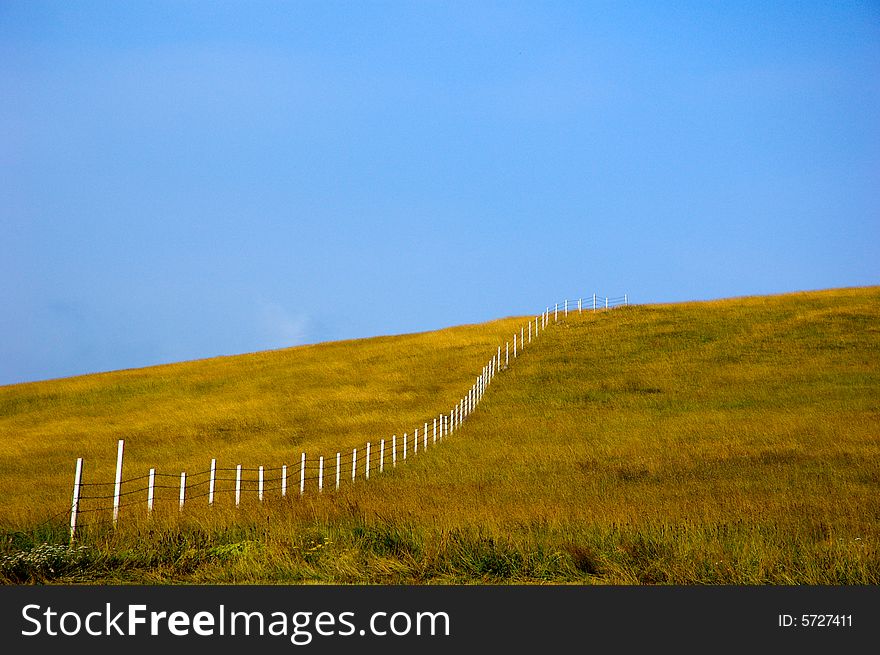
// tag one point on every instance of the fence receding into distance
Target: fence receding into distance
(315, 474)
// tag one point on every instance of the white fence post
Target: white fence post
(320, 474)
(522, 337)
(530, 332)
(625, 299)
(514, 345)
(536, 327)
(435, 429)
(182, 489)
(566, 309)
(425, 436)
(382, 456)
(354, 461)
(338, 463)
(151, 486)
(260, 484)
(117, 488)
(237, 485)
(394, 451)
(556, 313)
(74, 505)
(579, 305)
(211, 481)
(302, 475)
(283, 480)
(404, 445)
(367, 464)
(507, 355)
(606, 302)
(416, 442)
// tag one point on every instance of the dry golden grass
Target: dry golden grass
(701, 443)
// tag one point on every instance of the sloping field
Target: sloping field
(729, 442)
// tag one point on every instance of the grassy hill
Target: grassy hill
(735, 441)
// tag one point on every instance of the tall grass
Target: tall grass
(730, 442)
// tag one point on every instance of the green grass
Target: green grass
(728, 442)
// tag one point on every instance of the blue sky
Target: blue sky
(187, 179)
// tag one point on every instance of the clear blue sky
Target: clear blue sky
(187, 179)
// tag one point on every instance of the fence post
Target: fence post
(606, 302)
(151, 486)
(522, 337)
(507, 355)
(566, 309)
(435, 429)
(354, 461)
(394, 451)
(338, 462)
(283, 480)
(74, 505)
(556, 313)
(579, 305)
(367, 464)
(425, 436)
(625, 300)
(530, 332)
(182, 489)
(260, 484)
(237, 485)
(302, 475)
(117, 488)
(211, 481)
(404, 445)
(536, 327)
(594, 302)
(514, 345)
(382, 456)
(321, 474)
(416, 442)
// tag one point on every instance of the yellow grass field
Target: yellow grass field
(726, 442)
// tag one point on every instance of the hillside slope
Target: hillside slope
(724, 442)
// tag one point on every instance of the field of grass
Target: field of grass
(727, 442)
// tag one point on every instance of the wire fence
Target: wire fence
(101, 503)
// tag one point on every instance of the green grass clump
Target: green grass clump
(727, 442)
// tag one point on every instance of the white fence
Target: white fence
(314, 473)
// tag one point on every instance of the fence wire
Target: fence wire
(297, 477)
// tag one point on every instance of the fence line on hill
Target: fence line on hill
(290, 480)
